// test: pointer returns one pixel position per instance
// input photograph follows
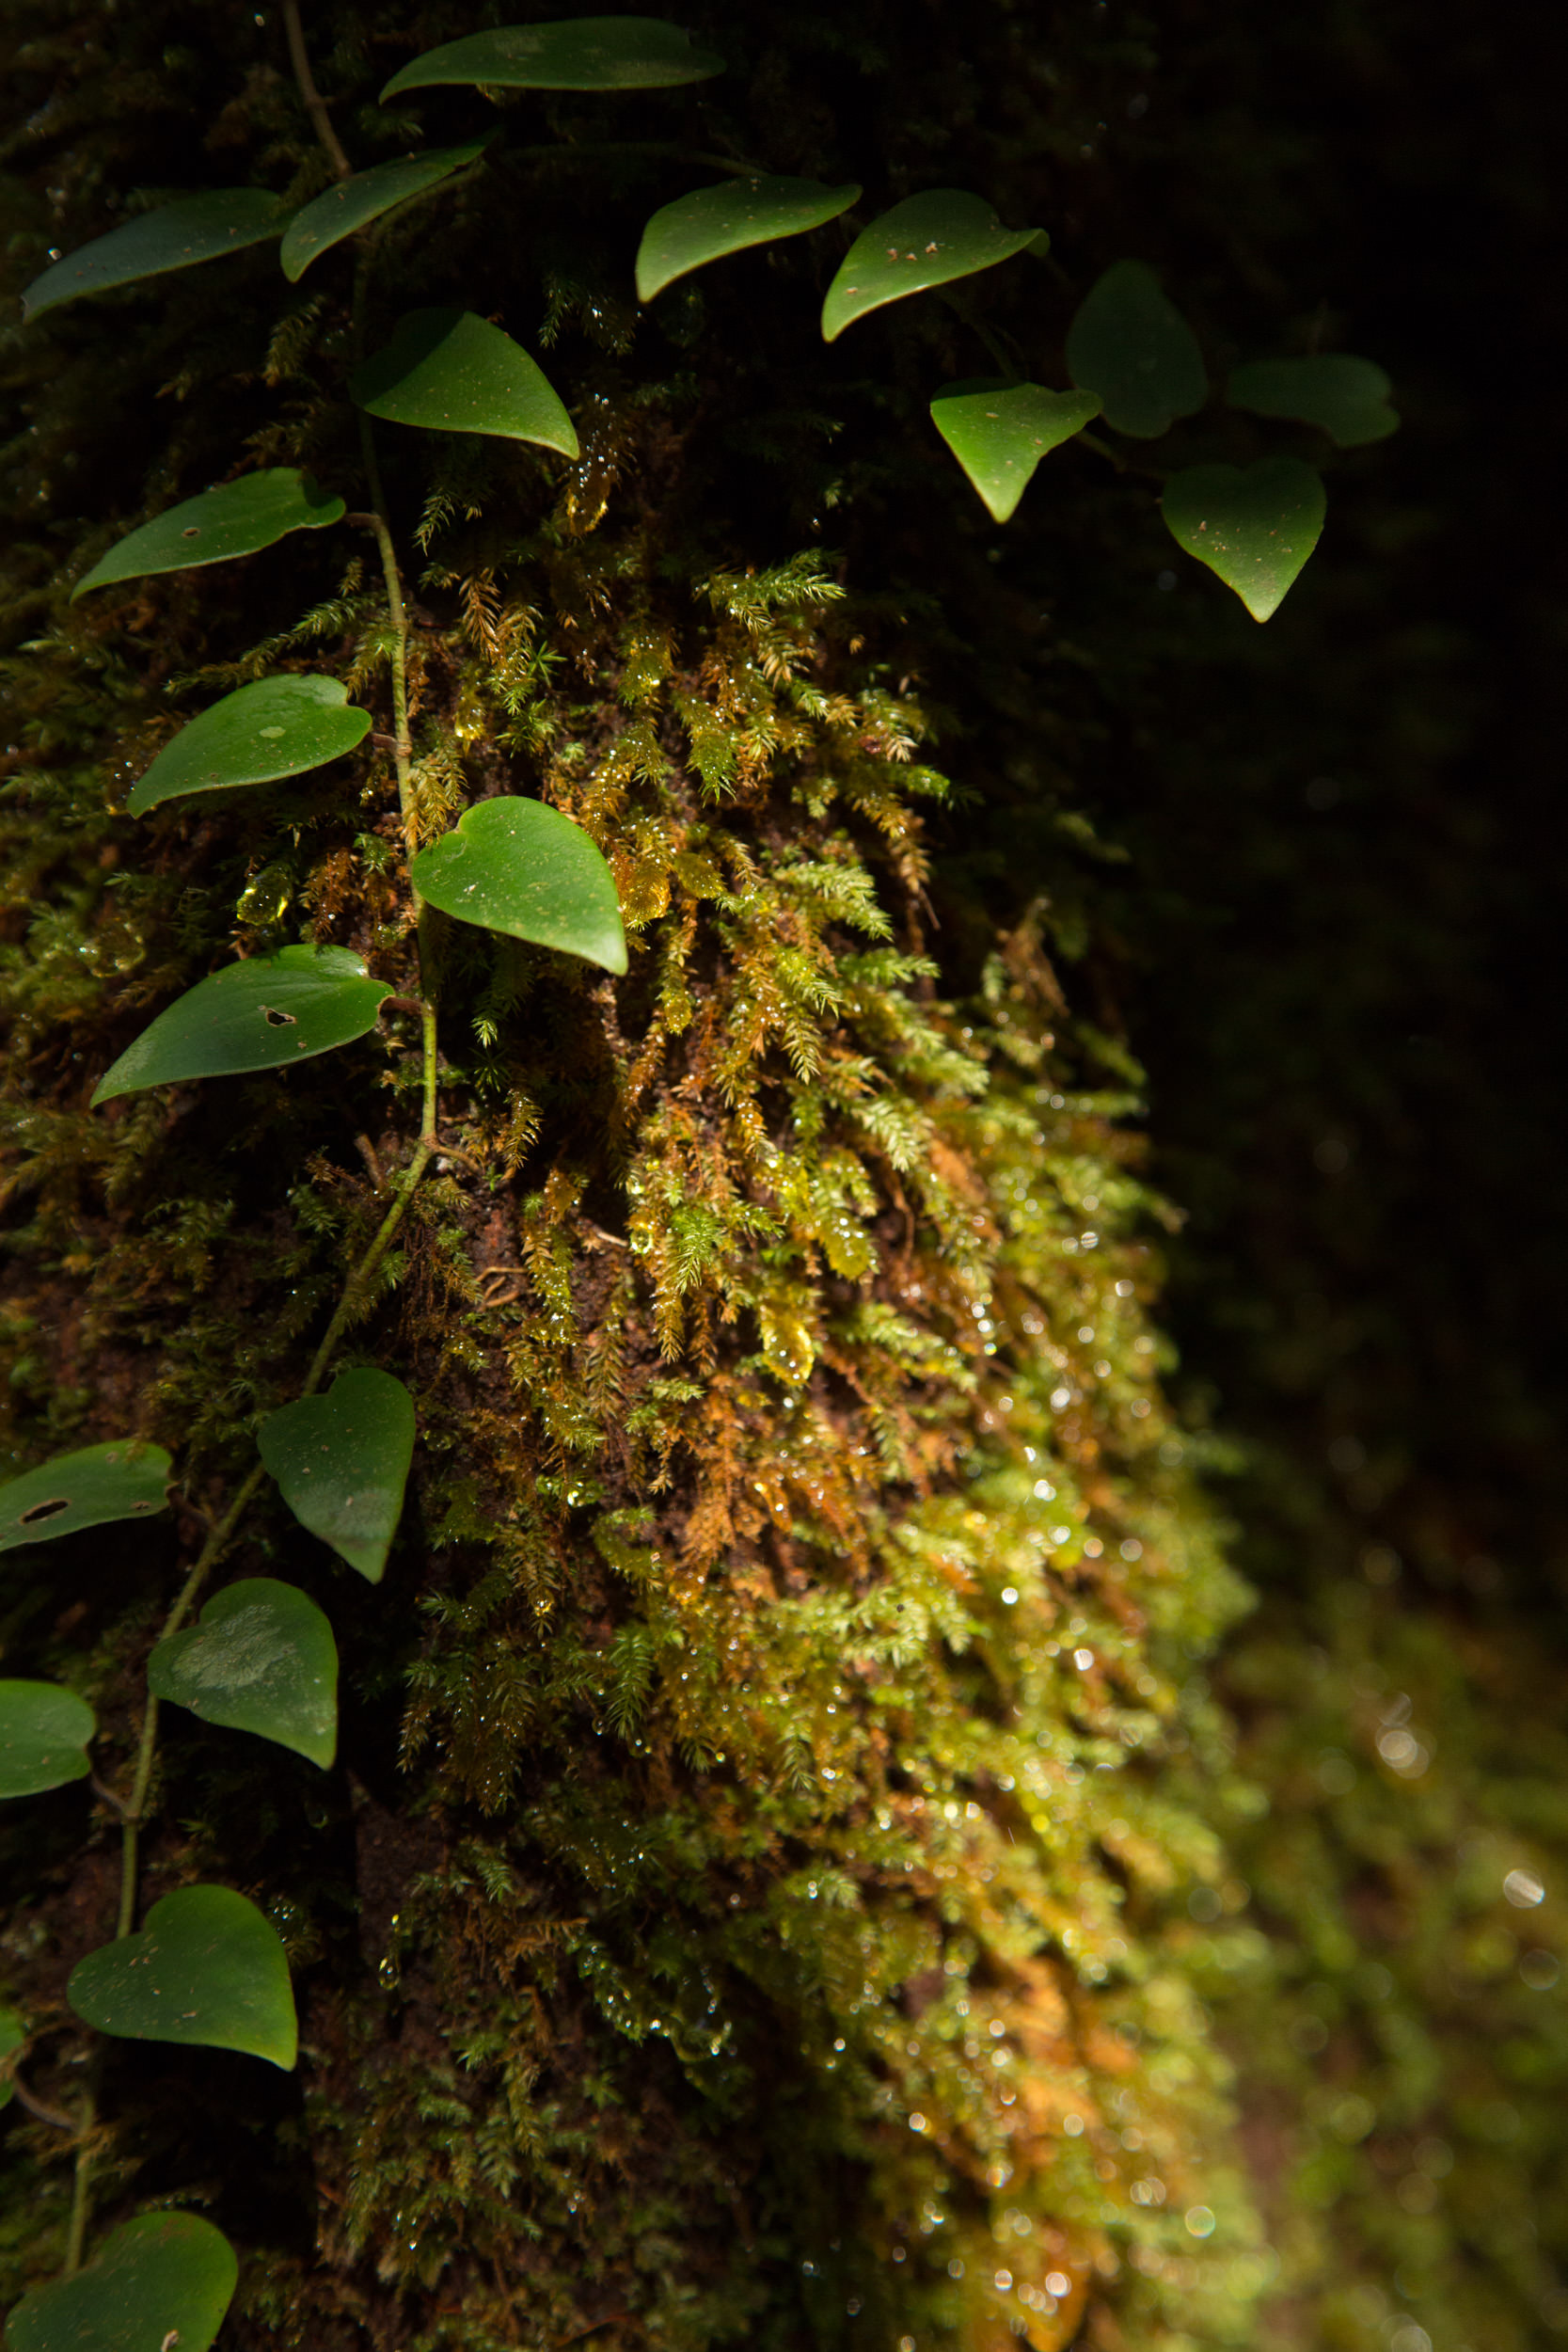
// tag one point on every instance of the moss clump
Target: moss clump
(788, 1881)
(808, 1569)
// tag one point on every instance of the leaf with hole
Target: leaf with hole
(711, 222)
(517, 866)
(1130, 343)
(120, 1480)
(999, 432)
(236, 519)
(929, 240)
(350, 205)
(160, 2281)
(281, 727)
(260, 1015)
(13, 2036)
(451, 371)
(263, 1660)
(342, 1464)
(44, 1735)
(196, 228)
(208, 1968)
(1346, 396)
(592, 53)
(1255, 527)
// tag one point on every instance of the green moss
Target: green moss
(789, 1882)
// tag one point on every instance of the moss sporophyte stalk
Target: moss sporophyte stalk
(747, 1844)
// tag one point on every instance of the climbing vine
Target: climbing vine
(823, 1316)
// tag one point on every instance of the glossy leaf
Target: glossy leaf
(350, 205)
(998, 433)
(517, 866)
(263, 1660)
(927, 241)
(160, 2281)
(452, 371)
(279, 727)
(44, 1735)
(260, 1015)
(196, 228)
(117, 1481)
(342, 1464)
(1346, 396)
(711, 222)
(1131, 346)
(236, 519)
(592, 53)
(207, 1968)
(13, 2034)
(1255, 527)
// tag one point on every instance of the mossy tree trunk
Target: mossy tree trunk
(783, 1856)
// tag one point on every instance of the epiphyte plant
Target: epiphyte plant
(204, 1965)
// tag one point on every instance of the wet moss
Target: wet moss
(789, 1879)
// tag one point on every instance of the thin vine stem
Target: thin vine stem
(1004, 359)
(132, 1808)
(402, 746)
(315, 104)
(356, 1288)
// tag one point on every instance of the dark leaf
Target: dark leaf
(259, 1015)
(207, 1968)
(452, 371)
(518, 866)
(263, 1660)
(196, 228)
(591, 53)
(927, 241)
(120, 1480)
(156, 2283)
(350, 205)
(712, 222)
(1132, 347)
(342, 1464)
(281, 727)
(237, 520)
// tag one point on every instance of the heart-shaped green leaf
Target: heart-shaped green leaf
(117, 1481)
(1347, 396)
(263, 1658)
(517, 866)
(196, 228)
(44, 1737)
(1256, 526)
(279, 727)
(237, 520)
(998, 433)
(159, 2282)
(342, 1464)
(592, 53)
(207, 1968)
(711, 222)
(927, 241)
(1131, 346)
(350, 205)
(451, 371)
(252, 1016)
(13, 2034)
